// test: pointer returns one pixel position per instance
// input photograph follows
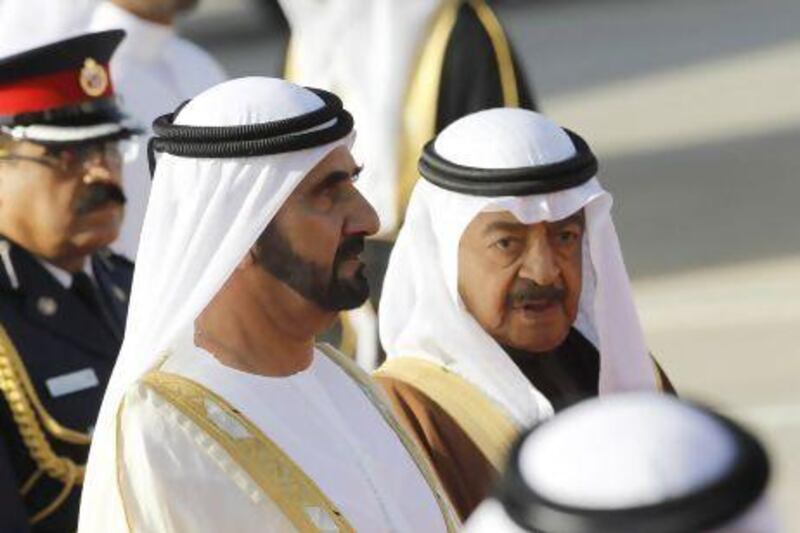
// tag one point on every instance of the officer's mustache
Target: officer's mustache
(525, 291)
(98, 195)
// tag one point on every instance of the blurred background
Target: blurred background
(693, 107)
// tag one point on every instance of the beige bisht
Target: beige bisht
(184, 443)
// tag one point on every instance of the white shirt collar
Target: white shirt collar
(64, 277)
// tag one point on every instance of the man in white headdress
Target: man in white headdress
(221, 413)
(655, 464)
(506, 295)
(27, 24)
(154, 70)
(407, 70)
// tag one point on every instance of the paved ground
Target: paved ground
(693, 109)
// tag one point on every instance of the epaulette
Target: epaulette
(113, 260)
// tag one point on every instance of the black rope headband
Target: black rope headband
(706, 508)
(250, 140)
(510, 181)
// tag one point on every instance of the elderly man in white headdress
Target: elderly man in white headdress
(221, 413)
(655, 464)
(406, 69)
(506, 295)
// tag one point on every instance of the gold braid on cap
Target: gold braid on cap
(25, 406)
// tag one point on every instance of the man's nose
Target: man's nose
(539, 262)
(362, 219)
(99, 168)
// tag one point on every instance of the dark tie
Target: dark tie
(84, 288)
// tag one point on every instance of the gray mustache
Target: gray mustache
(98, 195)
(526, 291)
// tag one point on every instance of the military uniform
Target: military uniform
(60, 331)
(56, 355)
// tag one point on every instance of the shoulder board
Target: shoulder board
(113, 260)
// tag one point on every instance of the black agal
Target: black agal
(509, 181)
(703, 509)
(327, 124)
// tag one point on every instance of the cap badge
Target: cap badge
(93, 78)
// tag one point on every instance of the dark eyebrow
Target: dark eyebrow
(502, 225)
(336, 177)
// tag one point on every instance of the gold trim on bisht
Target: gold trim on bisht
(485, 424)
(376, 397)
(275, 473)
(502, 51)
(25, 405)
(290, 63)
(422, 96)
(422, 101)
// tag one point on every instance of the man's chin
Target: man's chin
(543, 343)
(349, 293)
(90, 241)
(352, 298)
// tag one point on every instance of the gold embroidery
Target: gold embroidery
(422, 101)
(486, 425)
(422, 96)
(377, 399)
(25, 405)
(274, 472)
(290, 67)
(502, 52)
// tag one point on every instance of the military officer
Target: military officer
(63, 295)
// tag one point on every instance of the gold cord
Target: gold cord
(18, 390)
(28, 485)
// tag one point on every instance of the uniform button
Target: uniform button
(47, 306)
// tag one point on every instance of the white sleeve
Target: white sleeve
(174, 478)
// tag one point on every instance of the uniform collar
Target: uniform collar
(145, 40)
(64, 277)
(45, 300)
(16, 262)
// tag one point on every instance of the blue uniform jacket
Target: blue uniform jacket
(65, 353)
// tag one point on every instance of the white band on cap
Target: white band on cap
(38, 132)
